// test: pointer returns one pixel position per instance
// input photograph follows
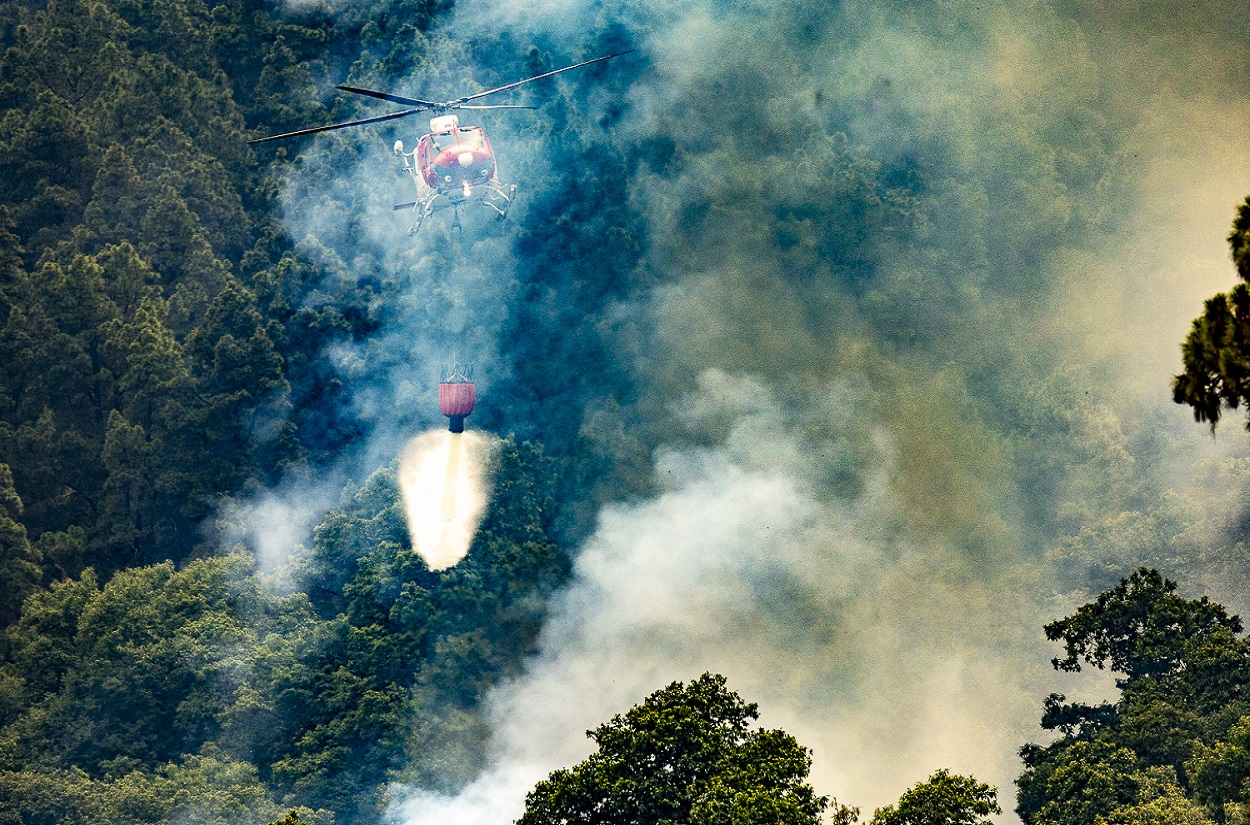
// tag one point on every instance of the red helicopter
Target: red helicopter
(452, 164)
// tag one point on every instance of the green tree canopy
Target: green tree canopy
(1160, 802)
(19, 571)
(1142, 629)
(1221, 773)
(1216, 353)
(943, 799)
(686, 754)
(1177, 738)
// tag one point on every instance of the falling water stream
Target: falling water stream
(443, 477)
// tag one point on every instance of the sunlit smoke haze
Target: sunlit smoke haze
(443, 477)
(906, 315)
(921, 276)
(775, 558)
(778, 559)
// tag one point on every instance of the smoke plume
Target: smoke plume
(898, 330)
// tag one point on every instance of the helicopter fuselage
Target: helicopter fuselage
(451, 166)
(448, 160)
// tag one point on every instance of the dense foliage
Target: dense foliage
(1171, 749)
(944, 799)
(686, 754)
(203, 689)
(168, 348)
(160, 349)
(1217, 351)
(166, 344)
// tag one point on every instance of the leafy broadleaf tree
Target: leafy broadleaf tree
(1221, 773)
(1160, 802)
(1088, 780)
(686, 754)
(1176, 739)
(943, 799)
(1141, 628)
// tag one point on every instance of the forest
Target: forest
(189, 323)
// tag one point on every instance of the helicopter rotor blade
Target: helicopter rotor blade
(406, 101)
(316, 129)
(497, 106)
(456, 104)
(428, 105)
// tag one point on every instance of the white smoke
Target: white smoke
(868, 624)
(856, 564)
(865, 646)
(275, 525)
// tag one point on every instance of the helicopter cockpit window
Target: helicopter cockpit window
(440, 142)
(469, 139)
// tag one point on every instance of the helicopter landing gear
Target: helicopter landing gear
(423, 210)
(430, 201)
(499, 200)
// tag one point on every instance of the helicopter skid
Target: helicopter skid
(489, 194)
(499, 200)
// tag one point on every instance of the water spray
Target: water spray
(443, 477)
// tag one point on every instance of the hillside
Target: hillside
(827, 347)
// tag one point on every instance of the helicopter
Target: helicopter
(452, 164)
